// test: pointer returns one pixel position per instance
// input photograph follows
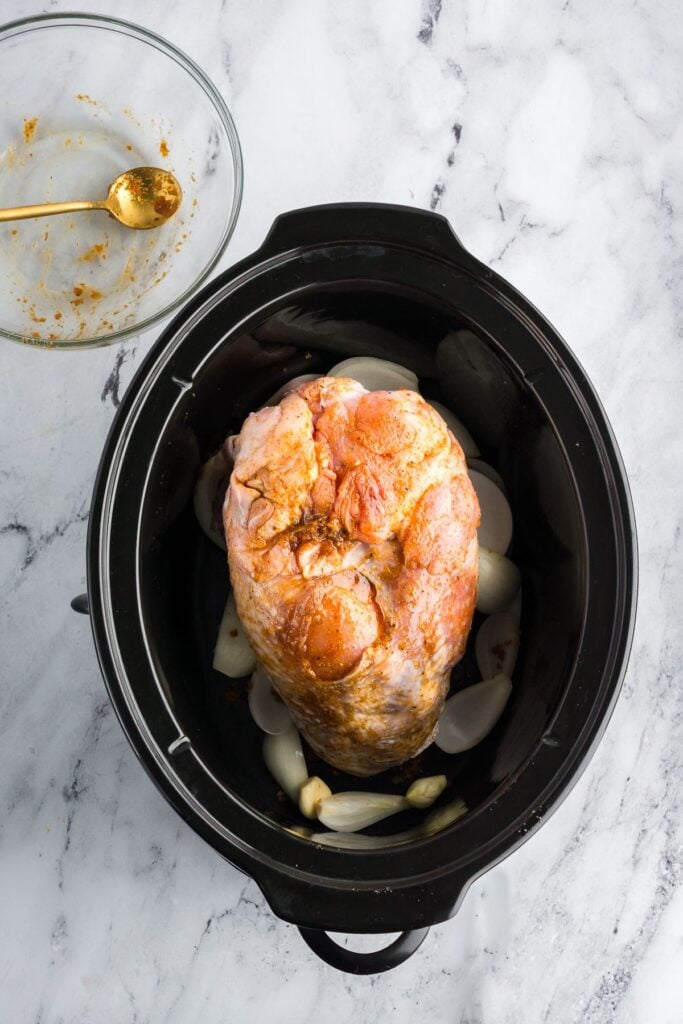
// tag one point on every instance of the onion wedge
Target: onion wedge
(233, 654)
(209, 492)
(499, 582)
(268, 711)
(443, 816)
(483, 467)
(470, 715)
(350, 812)
(285, 760)
(375, 374)
(497, 645)
(495, 531)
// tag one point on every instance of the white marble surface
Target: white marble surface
(551, 136)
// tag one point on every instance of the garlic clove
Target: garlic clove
(375, 374)
(499, 582)
(495, 531)
(423, 792)
(268, 711)
(497, 645)
(285, 761)
(470, 715)
(233, 654)
(457, 429)
(311, 795)
(350, 812)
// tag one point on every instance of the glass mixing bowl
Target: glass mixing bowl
(91, 97)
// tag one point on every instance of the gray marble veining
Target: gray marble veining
(550, 135)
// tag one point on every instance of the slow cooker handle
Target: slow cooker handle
(379, 223)
(363, 963)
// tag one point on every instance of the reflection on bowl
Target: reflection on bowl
(109, 96)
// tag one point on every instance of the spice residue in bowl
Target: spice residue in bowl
(84, 276)
(82, 292)
(95, 252)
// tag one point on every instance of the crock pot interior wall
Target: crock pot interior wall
(184, 577)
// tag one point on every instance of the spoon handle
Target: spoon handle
(49, 209)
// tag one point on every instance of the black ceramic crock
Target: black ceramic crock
(328, 283)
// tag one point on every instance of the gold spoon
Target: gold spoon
(143, 197)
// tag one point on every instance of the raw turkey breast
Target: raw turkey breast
(351, 528)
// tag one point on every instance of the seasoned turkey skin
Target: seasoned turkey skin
(351, 529)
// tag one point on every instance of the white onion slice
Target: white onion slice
(350, 840)
(233, 654)
(483, 467)
(285, 760)
(212, 474)
(290, 386)
(499, 581)
(495, 531)
(375, 374)
(458, 429)
(497, 645)
(268, 711)
(349, 812)
(359, 841)
(471, 714)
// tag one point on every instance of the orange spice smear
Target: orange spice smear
(82, 292)
(94, 252)
(29, 128)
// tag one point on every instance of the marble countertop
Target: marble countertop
(551, 137)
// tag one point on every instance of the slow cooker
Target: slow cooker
(327, 283)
